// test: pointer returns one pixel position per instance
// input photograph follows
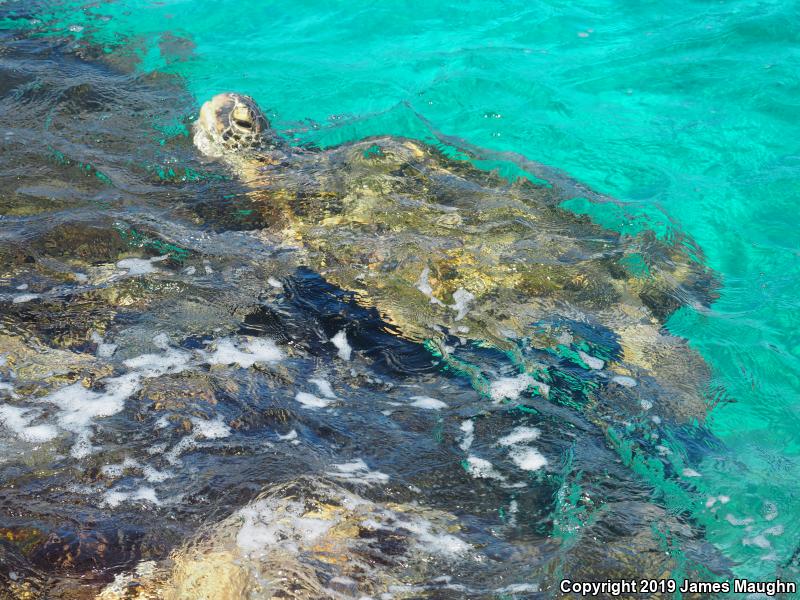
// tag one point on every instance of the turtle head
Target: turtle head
(228, 123)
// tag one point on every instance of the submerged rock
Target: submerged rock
(303, 540)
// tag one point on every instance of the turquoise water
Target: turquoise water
(685, 112)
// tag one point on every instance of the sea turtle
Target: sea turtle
(446, 251)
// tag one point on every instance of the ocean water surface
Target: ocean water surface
(680, 118)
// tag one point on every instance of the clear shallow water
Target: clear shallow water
(686, 113)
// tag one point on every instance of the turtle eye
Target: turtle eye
(242, 117)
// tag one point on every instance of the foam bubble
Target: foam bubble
(275, 283)
(624, 381)
(481, 468)
(358, 471)
(425, 287)
(18, 419)
(106, 350)
(427, 403)
(140, 266)
(210, 429)
(510, 388)
(759, 541)
(154, 365)
(468, 427)
(461, 300)
(265, 525)
(519, 435)
(593, 362)
(436, 543)
(528, 459)
(324, 387)
(519, 588)
(162, 341)
(311, 400)
(340, 341)
(78, 406)
(20, 298)
(82, 446)
(116, 470)
(252, 351)
(185, 443)
(738, 522)
(113, 498)
(153, 475)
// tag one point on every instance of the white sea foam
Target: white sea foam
(210, 429)
(292, 435)
(140, 266)
(593, 362)
(117, 469)
(311, 400)
(425, 287)
(624, 381)
(481, 468)
(468, 428)
(760, 541)
(436, 543)
(153, 475)
(324, 387)
(519, 435)
(358, 471)
(21, 298)
(154, 365)
(265, 525)
(18, 419)
(461, 300)
(528, 459)
(519, 588)
(427, 403)
(510, 388)
(275, 283)
(340, 341)
(162, 341)
(738, 522)
(78, 406)
(185, 443)
(247, 353)
(106, 350)
(114, 498)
